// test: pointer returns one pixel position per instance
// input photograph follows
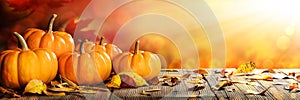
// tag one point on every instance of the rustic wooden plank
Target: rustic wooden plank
(212, 81)
(236, 94)
(205, 93)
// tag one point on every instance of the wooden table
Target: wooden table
(183, 90)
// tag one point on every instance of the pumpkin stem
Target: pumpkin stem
(51, 22)
(22, 41)
(101, 41)
(81, 47)
(136, 47)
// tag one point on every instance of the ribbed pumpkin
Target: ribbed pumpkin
(111, 49)
(19, 66)
(85, 67)
(57, 41)
(144, 63)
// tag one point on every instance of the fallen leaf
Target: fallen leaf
(115, 82)
(263, 77)
(132, 79)
(198, 87)
(269, 71)
(251, 92)
(72, 84)
(169, 70)
(245, 68)
(222, 84)
(48, 93)
(154, 81)
(230, 90)
(64, 89)
(201, 71)
(145, 93)
(174, 81)
(185, 76)
(196, 81)
(152, 90)
(35, 86)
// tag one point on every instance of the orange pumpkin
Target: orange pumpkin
(111, 49)
(85, 67)
(19, 66)
(57, 41)
(144, 63)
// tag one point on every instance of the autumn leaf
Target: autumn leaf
(35, 86)
(245, 68)
(115, 82)
(125, 80)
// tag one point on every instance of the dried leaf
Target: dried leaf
(245, 68)
(251, 92)
(174, 81)
(169, 70)
(35, 86)
(292, 86)
(170, 75)
(145, 93)
(154, 81)
(152, 90)
(197, 81)
(132, 79)
(185, 76)
(64, 89)
(48, 93)
(263, 77)
(222, 84)
(87, 91)
(72, 84)
(115, 82)
(201, 71)
(268, 71)
(198, 87)
(230, 90)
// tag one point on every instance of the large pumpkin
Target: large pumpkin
(111, 49)
(144, 63)
(57, 41)
(85, 67)
(19, 66)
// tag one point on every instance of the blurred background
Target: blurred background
(262, 31)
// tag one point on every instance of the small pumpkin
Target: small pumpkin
(111, 49)
(144, 63)
(19, 66)
(57, 41)
(85, 67)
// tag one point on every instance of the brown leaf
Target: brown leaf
(169, 70)
(154, 81)
(132, 79)
(201, 71)
(269, 71)
(198, 87)
(72, 84)
(185, 76)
